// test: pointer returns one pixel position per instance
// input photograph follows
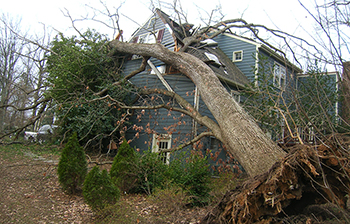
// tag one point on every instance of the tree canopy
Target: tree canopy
(79, 67)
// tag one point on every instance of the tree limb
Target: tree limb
(195, 139)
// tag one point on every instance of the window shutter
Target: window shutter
(160, 35)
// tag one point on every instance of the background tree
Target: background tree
(11, 46)
(22, 77)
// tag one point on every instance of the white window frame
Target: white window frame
(160, 140)
(150, 37)
(279, 75)
(234, 58)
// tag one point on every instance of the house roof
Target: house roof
(208, 52)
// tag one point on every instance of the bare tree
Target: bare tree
(11, 47)
(22, 78)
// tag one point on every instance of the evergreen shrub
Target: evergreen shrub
(72, 167)
(192, 173)
(98, 189)
(123, 170)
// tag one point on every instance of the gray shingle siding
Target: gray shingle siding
(229, 45)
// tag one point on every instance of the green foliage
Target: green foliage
(192, 173)
(187, 170)
(72, 167)
(134, 172)
(123, 168)
(152, 172)
(123, 212)
(78, 68)
(98, 190)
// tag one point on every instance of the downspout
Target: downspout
(256, 65)
(337, 102)
(196, 107)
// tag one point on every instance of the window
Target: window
(279, 76)
(151, 23)
(237, 56)
(148, 38)
(151, 37)
(236, 96)
(159, 143)
(161, 69)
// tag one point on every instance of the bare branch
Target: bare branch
(192, 141)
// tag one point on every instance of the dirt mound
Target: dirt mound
(307, 176)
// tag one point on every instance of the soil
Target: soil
(30, 193)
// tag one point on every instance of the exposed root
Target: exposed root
(308, 175)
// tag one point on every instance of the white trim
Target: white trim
(241, 38)
(141, 27)
(163, 140)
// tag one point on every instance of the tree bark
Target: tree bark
(240, 133)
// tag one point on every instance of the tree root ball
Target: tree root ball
(307, 176)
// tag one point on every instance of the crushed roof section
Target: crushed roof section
(224, 68)
(208, 52)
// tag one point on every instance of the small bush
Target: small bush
(72, 167)
(192, 173)
(98, 190)
(123, 168)
(152, 172)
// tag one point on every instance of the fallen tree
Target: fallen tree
(308, 175)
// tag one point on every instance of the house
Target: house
(234, 59)
(318, 95)
(264, 67)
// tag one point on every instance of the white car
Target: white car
(45, 132)
(30, 135)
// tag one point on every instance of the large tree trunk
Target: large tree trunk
(237, 130)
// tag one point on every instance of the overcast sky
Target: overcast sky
(283, 14)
